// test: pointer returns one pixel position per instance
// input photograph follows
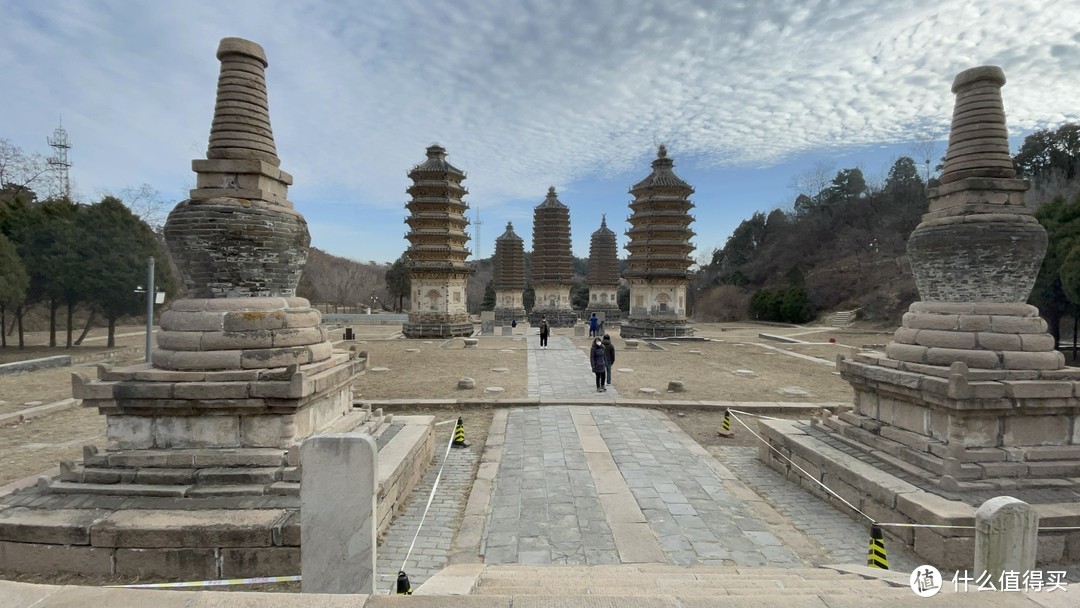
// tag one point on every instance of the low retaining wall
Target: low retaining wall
(33, 365)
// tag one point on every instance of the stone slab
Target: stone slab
(58, 526)
(172, 528)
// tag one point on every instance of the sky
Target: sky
(747, 96)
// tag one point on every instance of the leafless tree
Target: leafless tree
(926, 149)
(20, 172)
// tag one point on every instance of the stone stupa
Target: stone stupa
(509, 279)
(438, 272)
(970, 400)
(660, 253)
(603, 278)
(552, 264)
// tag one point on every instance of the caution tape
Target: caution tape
(217, 583)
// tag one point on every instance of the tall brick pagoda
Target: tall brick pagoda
(552, 263)
(660, 251)
(509, 276)
(603, 279)
(438, 274)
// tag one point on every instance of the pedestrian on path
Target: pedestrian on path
(544, 333)
(594, 326)
(609, 353)
(598, 359)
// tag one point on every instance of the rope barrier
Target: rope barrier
(427, 507)
(217, 583)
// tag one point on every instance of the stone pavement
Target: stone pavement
(562, 371)
(432, 549)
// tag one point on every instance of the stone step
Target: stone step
(655, 571)
(757, 592)
(643, 580)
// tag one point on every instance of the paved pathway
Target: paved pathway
(562, 371)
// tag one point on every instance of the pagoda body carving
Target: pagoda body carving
(509, 279)
(438, 273)
(660, 253)
(603, 278)
(552, 263)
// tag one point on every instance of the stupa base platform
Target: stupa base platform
(556, 317)
(612, 316)
(190, 514)
(428, 330)
(655, 328)
(509, 315)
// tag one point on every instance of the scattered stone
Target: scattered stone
(647, 391)
(380, 369)
(494, 389)
(676, 386)
(674, 344)
(631, 344)
(466, 383)
(499, 370)
(428, 342)
(725, 434)
(471, 342)
(745, 372)
(794, 391)
(681, 414)
(625, 370)
(694, 352)
(412, 350)
(836, 373)
(506, 350)
(33, 403)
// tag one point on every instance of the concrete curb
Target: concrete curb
(760, 407)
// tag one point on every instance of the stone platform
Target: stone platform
(556, 317)
(191, 513)
(655, 328)
(612, 316)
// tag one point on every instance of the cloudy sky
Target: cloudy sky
(526, 94)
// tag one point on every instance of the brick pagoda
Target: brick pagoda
(438, 274)
(509, 277)
(660, 251)
(552, 263)
(603, 279)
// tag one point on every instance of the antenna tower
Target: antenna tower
(59, 161)
(478, 223)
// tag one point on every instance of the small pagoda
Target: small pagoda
(438, 274)
(603, 279)
(660, 253)
(552, 263)
(509, 279)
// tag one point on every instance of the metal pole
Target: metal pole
(151, 293)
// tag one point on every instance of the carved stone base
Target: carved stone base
(507, 315)
(556, 317)
(656, 328)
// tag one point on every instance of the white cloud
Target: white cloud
(522, 94)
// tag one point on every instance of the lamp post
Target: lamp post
(151, 293)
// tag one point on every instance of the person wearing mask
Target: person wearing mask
(609, 352)
(598, 361)
(544, 330)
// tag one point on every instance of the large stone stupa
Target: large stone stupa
(970, 400)
(509, 279)
(438, 273)
(603, 278)
(660, 250)
(552, 263)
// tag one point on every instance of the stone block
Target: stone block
(1004, 469)
(253, 320)
(981, 432)
(173, 320)
(925, 508)
(142, 390)
(973, 358)
(237, 340)
(1005, 537)
(33, 558)
(339, 529)
(908, 438)
(992, 341)
(302, 318)
(911, 417)
(187, 564)
(266, 431)
(1036, 430)
(172, 528)
(1037, 342)
(287, 532)
(274, 390)
(1039, 389)
(298, 337)
(1058, 470)
(164, 375)
(945, 339)
(944, 552)
(276, 357)
(261, 561)
(906, 352)
(84, 387)
(979, 323)
(1017, 325)
(1055, 452)
(129, 432)
(208, 360)
(211, 390)
(48, 526)
(179, 340)
(196, 431)
(320, 351)
(157, 476)
(928, 321)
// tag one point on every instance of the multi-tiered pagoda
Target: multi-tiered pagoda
(509, 279)
(603, 276)
(438, 274)
(552, 263)
(660, 251)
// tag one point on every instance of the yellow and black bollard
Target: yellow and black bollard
(404, 587)
(876, 557)
(725, 426)
(459, 435)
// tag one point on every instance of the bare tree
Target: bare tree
(814, 180)
(21, 172)
(926, 149)
(146, 203)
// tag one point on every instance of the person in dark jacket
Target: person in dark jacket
(594, 326)
(609, 352)
(544, 329)
(598, 361)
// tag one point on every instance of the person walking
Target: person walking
(598, 360)
(594, 326)
(544, 330)
(609, 353)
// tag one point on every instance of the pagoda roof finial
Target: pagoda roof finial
(661, 152)
(552, 199)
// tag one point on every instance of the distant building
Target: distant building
(438, 274)
(603, 279)
(509, 279)
(552, 263)
(660, 253)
